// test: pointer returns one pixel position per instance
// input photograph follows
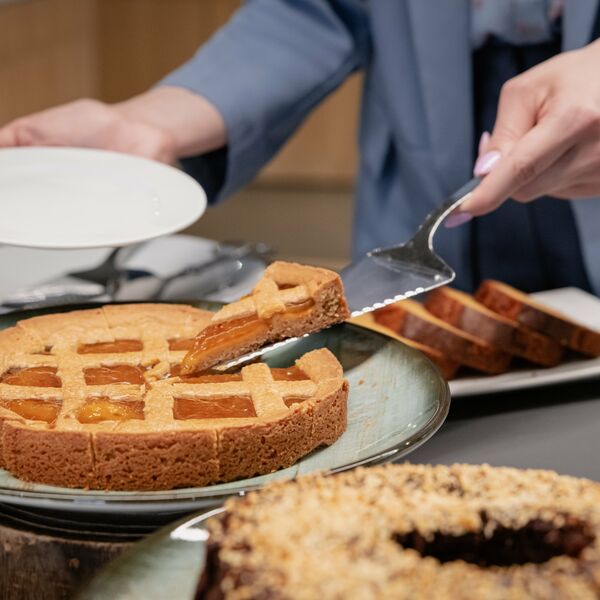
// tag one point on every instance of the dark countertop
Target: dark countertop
(555, 427)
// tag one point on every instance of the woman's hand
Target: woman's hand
(546, 139)
(162, 124)
(90, 124)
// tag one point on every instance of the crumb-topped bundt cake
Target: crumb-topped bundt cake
(410, 531)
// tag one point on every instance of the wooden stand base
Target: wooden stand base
(36, 566)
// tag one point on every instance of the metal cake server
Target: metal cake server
(386, 275)
(75, 287)
(112, 280)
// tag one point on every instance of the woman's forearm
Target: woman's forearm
(194, 124)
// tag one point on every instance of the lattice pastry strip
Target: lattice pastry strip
(268, 397)
(266, 300)
(57, 342)
(69, 329)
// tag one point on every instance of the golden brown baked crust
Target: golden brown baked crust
(410, 532)
(466, 313)
(290, 300)
(447, 366)
(410, 319)
(87, 442)
(514, 304)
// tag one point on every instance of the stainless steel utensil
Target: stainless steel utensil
(112, 281)
(78, 286)
(386, 275)
(219, 272)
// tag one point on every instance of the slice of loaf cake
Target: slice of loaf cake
(412, 320)
(466, 313)
(446, 365)
(514, 304)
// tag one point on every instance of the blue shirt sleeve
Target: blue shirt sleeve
(264, 71)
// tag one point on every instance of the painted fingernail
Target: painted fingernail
(484, 140)
(486, 163)
(457, 218)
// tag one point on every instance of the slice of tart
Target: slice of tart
(289, 301)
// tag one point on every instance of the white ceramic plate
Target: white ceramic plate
(83, 198)
(576, 304)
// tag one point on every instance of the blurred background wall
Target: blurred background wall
(53, 51)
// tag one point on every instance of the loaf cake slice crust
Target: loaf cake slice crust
(412, 320)
(446, 365)
(514, 304)
(463, 311)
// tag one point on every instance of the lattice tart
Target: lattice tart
(290, 300)
(94, 399)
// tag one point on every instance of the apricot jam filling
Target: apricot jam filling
(225, 407)
(174, 371)
(210, 377)
(105, 374)
(289, 374)
(34, 409)
(181, 344)
(116, 347)
(32, 377)
(97, 410)
(218, 337)
(234, 332)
